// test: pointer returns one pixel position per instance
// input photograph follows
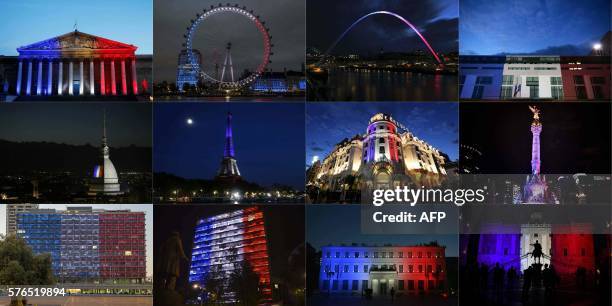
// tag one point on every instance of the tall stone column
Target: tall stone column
(19, 73)
(39, 78)
(123, 79)
(70, 78)
(81, 79)
(113, 82)
(102, 78)
(134, 77)
(29, 84)
(49, 90)
(92, 84)
(60, 78)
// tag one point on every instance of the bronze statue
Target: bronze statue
(171, 254)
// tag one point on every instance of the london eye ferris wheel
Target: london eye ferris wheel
(223, 74)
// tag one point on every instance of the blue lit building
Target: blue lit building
(185, 72)
(280, 82)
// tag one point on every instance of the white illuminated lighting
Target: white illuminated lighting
(315, 159)
(597, 46)
(189, 121)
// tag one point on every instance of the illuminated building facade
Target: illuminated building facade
(185, 72)
(515, 77)
(77, 64)
(566, 247)
(105, 180)
(11, 215)
(223, 242)
(405, 269)
(280, 82)
(385, 156)
(88, 245)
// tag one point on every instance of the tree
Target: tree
(244, 282)
(19, 265)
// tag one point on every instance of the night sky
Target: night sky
(284, 228)
(77, 123)
(550, 27)
(575, 136)
(437, 21)
(268, 140)
(285, 18)
(27, 22)
(329, 123)
(340, 224)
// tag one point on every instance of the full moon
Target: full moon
(189, 121)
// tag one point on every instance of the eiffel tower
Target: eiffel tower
(229, 167)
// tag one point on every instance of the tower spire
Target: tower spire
(229, 141)
(105, 150)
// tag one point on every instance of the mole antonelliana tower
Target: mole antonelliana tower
(105, 180)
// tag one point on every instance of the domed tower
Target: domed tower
(536, 189)
(382, 154)
(105, 180)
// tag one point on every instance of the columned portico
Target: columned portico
(90, 52)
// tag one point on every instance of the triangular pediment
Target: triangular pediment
(76, 40)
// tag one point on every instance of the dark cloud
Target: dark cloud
(285, 18)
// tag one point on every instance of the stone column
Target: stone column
(113, 82)
(50, 79)
(39, 79)
(82, 79)
(29, 84)
(60, 78)
(92, 84)
(70, 78)
(19, 73)
(134, 78)
(102, 77)
(123, 79)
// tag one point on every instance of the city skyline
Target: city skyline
(436, 20)
(285, 19)
(266, 136)
(547, 27)
(132, 23)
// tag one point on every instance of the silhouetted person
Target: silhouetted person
(498, 280)
(171, 254)
(527, 279)
(392, 292)
(511, 277)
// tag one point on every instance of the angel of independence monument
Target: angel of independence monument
(76, 64)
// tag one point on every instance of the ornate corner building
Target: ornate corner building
(386, 156)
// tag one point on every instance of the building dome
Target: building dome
(105, 180)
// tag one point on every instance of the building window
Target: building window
(420, 268)
(420, 255)
(375, 254)
(381, 140)
(384, 254)
(508, 80)
(400, 254)
(365, 268)
(336, 268)
(431, 285)
(428, 254)
(555, 80)
(533, 81)
(477, 93)
(557, 92)
(345, 284)
(364, 284)
(578, 80)
(421, 285)
(356, 268)
(355, 285)
(506, 92)
(366, 254)
(534, 92)
(337, 254)
(410, 268)
(401, 268)
(439, 268)
(598, 92)
(409, 254)
(381, 150)
(356, 254)
(335, 284)
(328, 254)
(390, 254)
(410, 284)
(346, 268)
(346, 254)
(326, 284)
(484, 80)
(400, 284)
(429, 269)
(581, 92)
